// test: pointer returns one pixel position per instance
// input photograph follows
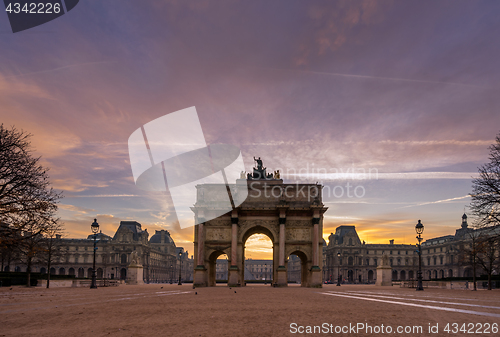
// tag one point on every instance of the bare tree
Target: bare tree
(485, 202)
(485, 205)
(51, 247)
(487, 256)
(27, 202)
(470, 250)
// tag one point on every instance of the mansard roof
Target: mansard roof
(130, 226)
(342, 231)
(157, 237)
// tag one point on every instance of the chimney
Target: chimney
(391, 241)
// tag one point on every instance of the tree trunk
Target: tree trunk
(48, 271)
(474, 272)
(28, 272)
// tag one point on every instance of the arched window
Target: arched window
(61, 271)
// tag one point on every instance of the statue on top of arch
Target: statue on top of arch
(259, 172)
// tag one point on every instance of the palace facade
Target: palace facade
(162, 261)
(355, 261)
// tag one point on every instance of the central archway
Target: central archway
(290, 215)
(263, 229)
(258, 252)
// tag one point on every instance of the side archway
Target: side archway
(304, 262)
(212, 266)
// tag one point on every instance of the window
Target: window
(350, 242)
(390, 252)
(367, 262)
(375, 261)
(435, 260)
(441, 259)
(406, 252)
(399, 252)
(399, 262)
(391, 262)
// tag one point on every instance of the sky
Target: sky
(404, 90)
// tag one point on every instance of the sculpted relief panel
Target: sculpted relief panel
(298, 223)
(298, 234)
(218, 234)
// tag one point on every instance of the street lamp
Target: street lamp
(95, 229)
(338, 269)
(419, 228)
(180, 268)
(171, 273)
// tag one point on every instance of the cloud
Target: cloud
(375, 175)
(438, 201)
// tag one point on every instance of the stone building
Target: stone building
(254, 270)
(160, 258)
(442, 257)
(447, 256)
(358, 260)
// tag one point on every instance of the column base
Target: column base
(233, 279)
(282, 277)
(200, 277)
(316, 279)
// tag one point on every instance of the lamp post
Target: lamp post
(180, 268)
(95, 229)
(419, 228)
(338, 269)
(265, 273)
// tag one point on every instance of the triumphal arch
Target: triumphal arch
(291, 215)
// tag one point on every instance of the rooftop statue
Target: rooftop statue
(259, 163)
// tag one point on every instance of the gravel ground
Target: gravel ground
(255, 310)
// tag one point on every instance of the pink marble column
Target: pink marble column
(201, 245)
(315, 243)
(234, 243)
(282, 243)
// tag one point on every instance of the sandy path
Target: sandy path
(256, 310)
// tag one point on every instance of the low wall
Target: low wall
(464, 285)
(77, 283)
